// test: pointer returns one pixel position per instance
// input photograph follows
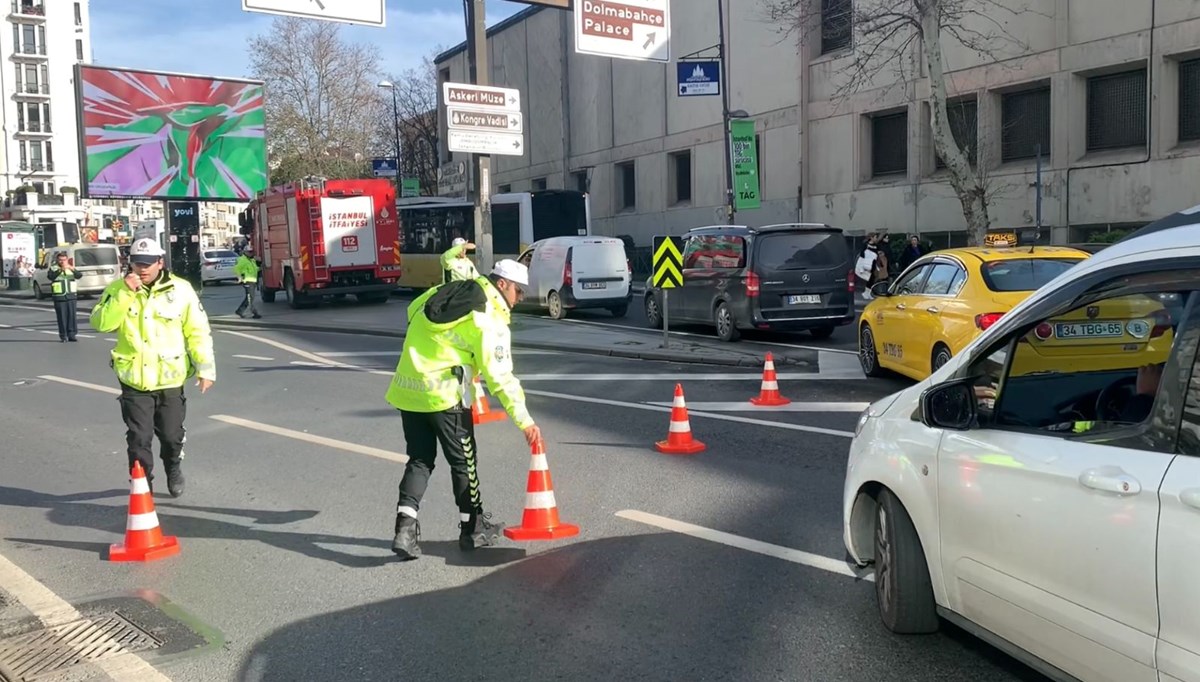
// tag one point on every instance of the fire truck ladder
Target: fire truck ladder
(320, 265)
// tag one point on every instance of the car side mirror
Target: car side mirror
(880, 289)
(951, 405)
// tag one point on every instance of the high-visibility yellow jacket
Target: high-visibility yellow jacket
(163, 335)
(62, 282)
(455, 331)
(456, 269)
(246, 269)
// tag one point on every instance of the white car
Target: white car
(217, 266)
(1042, 489)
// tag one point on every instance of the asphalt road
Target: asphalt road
(286, 563)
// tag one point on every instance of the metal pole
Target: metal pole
(666, 320)
(396, 127)
(730, 205)
(1039, 188)
(477, 64)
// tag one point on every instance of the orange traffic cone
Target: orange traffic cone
(769, 395)
(144, 540)
(679, 436)
(481, 411)
(540, 521)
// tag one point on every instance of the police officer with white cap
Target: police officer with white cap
(456, 264)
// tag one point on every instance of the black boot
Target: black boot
(478, 532)
(408, 532)
(175, 480)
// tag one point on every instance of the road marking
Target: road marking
(43, 309)
(53, 610)
(255, 357)
(777, 344)
(291, 349)
(81, 384)
(730, 376)
(855, 408)
(756, 546)
(310, 438)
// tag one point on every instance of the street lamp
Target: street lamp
(726, 114)
(395, 128)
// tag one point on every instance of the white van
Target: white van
(578, 272)
(100, 265)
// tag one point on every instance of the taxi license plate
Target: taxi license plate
(594, 285)
(1089, 330)
(803, 298)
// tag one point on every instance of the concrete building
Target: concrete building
(219, 223)
(1109, 89)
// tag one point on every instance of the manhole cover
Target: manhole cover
(42, 653)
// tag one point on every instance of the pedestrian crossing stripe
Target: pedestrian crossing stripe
(667, 266)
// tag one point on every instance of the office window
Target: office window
(49, 155)
(1116, 111)
(581, 181)
(78, 49)
(836, 24)
(1189, 100)
(78, 15)
(964, 126)
(679, 177)
(24, 146)
(626, 189)
(1025, 124)
(505, 189)
(35, 156)
(46, 117)
(889, 144)
(539, 184)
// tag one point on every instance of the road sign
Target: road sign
(458, 118)
(557, 4)
(410, 187)
(383, 168)
(452, 179)
(481, 97)
(698, 78)
(630, 29)
(484, 142)
(745, 164)
(667, 263)
(366, 12)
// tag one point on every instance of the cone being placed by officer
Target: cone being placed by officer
(455, 331)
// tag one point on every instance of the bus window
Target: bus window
(506, 228)
(558, 213)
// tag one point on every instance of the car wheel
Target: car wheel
(821, 332)
(723, 319)
(902, 583)
(653, 314)
(619, 311)
(941, 355)
(868, 355)
(554, 302)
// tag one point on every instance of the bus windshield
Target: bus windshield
(559, 214)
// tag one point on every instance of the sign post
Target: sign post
(385, 167)
(628, 29)
(364, 12)
(667, 269)
(745, 165)
(697, 78)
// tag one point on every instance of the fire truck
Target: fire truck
(319, 238)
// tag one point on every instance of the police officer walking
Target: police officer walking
(163, 337)
(63, 288)
(456, 265)
(246, 270)
(454, 331)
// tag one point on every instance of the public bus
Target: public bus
(428, 225)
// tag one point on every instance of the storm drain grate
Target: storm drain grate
(42, 653)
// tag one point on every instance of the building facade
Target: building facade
(1107, 90)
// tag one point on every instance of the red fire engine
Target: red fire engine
(326, 237)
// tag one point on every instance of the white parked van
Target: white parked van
(578, 272)
(100, 265)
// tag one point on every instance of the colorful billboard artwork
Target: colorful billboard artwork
(163, 136)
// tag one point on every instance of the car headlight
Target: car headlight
(862, 421)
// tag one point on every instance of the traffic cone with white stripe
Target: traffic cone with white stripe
(540, 521)
(481, 411)
(769, 395)
(144, 540)
(679, 436)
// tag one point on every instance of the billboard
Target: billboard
(152, 135)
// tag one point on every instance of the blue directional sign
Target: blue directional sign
(384, 168)
(699, 78)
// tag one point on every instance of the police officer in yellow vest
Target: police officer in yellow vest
(163, 337)
(63, 276)
(455, 331)
(456, 265)
(246, 270)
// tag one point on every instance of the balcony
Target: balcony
(30, 52)
(34, 128)
(36, 166)
(37, 199)
(28, 9)
(38, 90)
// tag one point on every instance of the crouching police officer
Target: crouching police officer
(454, 331)
(162, 338)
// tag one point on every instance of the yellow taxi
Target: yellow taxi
(947, 298)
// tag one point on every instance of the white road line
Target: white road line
(291, 349)
(81, 384)
(254, 357)
(855, 408)
(310, 438)
(41, 310)
(756, 546)
(776, 344)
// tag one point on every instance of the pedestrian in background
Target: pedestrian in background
(63, 288)
(912, 251)
(163, 338)
(456, 264)
(864, 267)
(455, 331)
(246, 270)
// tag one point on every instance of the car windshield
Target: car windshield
(220, 254)
(88, 257)
(797, 250)
(1024, 274)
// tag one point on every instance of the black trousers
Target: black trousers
(68, 323)
(455, 430)
(153, 413)
(248, 300)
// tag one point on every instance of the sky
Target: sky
(209, 37)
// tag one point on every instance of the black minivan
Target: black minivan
(792, 277)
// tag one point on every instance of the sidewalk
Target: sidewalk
(529, 332)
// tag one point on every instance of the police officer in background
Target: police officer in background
(246, 270)
(456, 264)
(454, 331)
(63, 276)
(163, 337)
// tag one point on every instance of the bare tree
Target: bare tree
(321, 100)
(885, 34)
(416, 104)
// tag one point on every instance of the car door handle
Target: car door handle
(1110, 480)
(933, 309)
(901, 306)
(1190, 497)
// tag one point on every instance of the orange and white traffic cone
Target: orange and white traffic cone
(144, 540)
(540, 521)
(769, 395)
(481, 411)
(679, 435)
